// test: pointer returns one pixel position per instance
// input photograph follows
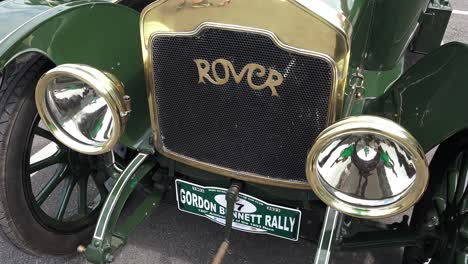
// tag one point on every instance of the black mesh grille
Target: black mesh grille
(232, 125)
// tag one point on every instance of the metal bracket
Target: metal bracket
(356, 82)
(232, 197)
(327, 236)
(108, 237)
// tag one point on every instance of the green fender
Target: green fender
(100, 34)
(431, 98)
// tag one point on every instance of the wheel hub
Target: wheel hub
(80, 164)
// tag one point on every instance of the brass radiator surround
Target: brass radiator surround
(173, 18)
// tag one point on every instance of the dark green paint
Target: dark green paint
(99, 34)
(393, 24)
(430, 98)
(433, 26)
(138, 216)
(382, 30)
(113, 45)
(50, 186)
(380, 239)
(14, 14)
(110, 233)
(421, 99)
(375, 83)
(126, 183)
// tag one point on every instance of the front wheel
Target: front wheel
(441, 216)
(50, 196)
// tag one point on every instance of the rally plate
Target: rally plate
(250, 214)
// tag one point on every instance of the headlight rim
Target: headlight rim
(105, 84)
(379, 126)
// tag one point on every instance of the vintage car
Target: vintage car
(260, 115)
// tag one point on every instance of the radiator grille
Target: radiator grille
(233, 125)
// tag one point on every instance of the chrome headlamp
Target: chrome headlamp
(84, 108)
(368, 167)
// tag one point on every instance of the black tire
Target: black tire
(18, 113)
(425, 210)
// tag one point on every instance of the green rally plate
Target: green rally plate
(250, 214)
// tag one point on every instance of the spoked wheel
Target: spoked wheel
(66, 188)
(50, 196)
(442, 215)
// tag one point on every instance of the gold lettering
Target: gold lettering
(260, 72)
(238, 77)
(224, 63)
(273, 80)
(203, 67)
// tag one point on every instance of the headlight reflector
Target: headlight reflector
(83, 107)
(368, 167)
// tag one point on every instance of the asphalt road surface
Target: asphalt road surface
(169, 236)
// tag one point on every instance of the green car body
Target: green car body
(420, 97)
(89, 33)
(92, 29)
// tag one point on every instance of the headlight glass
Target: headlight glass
(79, 110)
(367, 167)
(83, 107)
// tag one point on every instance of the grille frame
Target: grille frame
(216, 169)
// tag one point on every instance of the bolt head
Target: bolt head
(109, 257)
(81, 249)
(432, 221)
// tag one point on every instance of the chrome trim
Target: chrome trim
(327, 236)
(25, 23)
(372, 149)
(104, 84)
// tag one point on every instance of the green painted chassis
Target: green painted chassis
(429, 96)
